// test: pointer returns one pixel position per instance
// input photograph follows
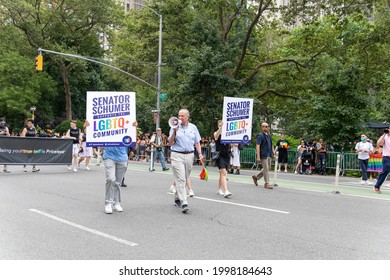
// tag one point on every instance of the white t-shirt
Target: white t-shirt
(364, 146)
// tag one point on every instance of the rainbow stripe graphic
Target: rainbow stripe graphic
(375, 163)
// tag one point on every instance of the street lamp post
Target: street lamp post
(158, 65)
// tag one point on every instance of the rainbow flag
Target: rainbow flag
(375, 163)
(204, 175)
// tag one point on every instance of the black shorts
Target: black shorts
(282, 158)
(223, 162)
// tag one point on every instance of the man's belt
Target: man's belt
(183, 152)
(386, 156)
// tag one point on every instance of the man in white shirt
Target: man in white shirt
(364, 148)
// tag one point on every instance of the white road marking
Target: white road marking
(238, 204)
(243, 205)
(114, 238)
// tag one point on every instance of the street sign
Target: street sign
(163, 97)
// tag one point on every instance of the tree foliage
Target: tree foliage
(70, 26)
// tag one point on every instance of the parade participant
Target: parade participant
(364, 148)
(384, 141)
(157, 142)
(86, 152)
(4, 131)
(191, 193)
(264, 153)
(222, 161)
(115, 160)
(29, 131)
(75, 134)
(235, 159)
(182, 139)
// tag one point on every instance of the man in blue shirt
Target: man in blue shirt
(264, 153)
(182, 140)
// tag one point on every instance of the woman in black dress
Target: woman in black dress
(222, 162)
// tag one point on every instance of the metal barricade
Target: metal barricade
(350, 161)
(248, 156)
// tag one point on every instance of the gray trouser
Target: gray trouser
(181, 167)
(266, 164)
(115, 171)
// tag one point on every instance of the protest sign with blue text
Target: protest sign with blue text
(237, 120)
(111, 116)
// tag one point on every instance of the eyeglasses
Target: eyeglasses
(265, 125)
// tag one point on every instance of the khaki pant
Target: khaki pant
(266, 164)
(181, 168)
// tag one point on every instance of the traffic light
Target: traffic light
(39, 62)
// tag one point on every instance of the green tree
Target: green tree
(21, 87)
(66, 26)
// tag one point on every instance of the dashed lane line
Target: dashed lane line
(96, 232)
(238, 204)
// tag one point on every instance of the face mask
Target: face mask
(363, 139)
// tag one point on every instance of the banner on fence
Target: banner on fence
(35, 150)
(111, 116)
(237, 120)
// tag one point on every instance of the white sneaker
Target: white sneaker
(87, 168)
(69, 167)
(285, 171)
(75, 169)
(227, 194)
(118, 207)
(24, 169)
(191, 193)
(108, 208)
(220, 192)
(295, 172)
(369, 183)
(362, 182)
(172, 189)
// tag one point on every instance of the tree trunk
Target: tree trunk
(68, 94)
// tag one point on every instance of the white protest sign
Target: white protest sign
(237, 120)
(111, 116)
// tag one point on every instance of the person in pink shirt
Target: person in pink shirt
(384, 141)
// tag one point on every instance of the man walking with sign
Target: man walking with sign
(264, 153)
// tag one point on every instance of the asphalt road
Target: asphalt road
(57, 214)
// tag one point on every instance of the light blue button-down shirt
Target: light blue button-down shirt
(116, 153)
(186, 138)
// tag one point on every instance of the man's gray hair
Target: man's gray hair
(186, 111)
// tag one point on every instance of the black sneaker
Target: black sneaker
(177, 203)
(165, 169)
(184, 208)
(123, 185)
